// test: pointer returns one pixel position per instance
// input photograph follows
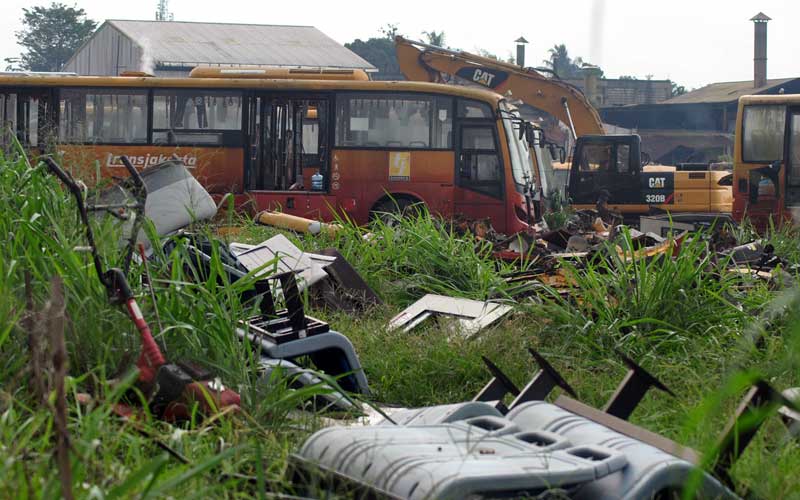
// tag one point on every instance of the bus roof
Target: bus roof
(770, 99)
(241, 83)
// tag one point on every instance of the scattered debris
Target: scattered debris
(471, 316)
(283, 336)
(790, 417)
(285, 257)
(345, 289)
(295, 223)
(175, 199)
(172, 389)
(485, 447)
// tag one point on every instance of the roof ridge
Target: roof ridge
(153, 21)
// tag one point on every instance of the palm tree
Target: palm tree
(559, 61)
(435, 38)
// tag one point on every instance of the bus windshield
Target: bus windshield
(521, 167)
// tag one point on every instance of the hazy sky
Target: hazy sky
(690, 42)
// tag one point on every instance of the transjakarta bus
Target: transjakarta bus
(766, 175)
(456, 149)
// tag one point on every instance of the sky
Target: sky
(692, 43)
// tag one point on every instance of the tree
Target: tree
(51, 35)
(379, 52)
(485, 53)
(390, 31)
(562, 64)
(677, 89)
(435, 38)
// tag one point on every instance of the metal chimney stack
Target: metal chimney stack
(521, 51)
(760, 49)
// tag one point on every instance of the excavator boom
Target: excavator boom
(422, 62)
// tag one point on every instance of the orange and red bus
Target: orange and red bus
(457, 150)
(766, 171)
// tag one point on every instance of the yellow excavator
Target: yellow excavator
(604, 169)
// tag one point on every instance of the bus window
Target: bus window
(480, 165)
(195, 117)
(763, 134)
(8, 115)
(474, 109)
(116, 116)
(377, 121)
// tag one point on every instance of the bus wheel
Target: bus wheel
(387, 209)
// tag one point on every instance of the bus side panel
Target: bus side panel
(309, 204)
(474, 206)
(220, 170)
(366, 176)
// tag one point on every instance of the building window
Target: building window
(393, 121)
(195, 116)
(103, 116)
(764, 127)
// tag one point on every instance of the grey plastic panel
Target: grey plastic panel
(464, 449)
(332, 340)
(649, 469)
(442, 414)
(304, 377)
(456, 460)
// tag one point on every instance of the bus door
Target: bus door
(26, 114)
(479, 173)
(792, 183)
(287, 143)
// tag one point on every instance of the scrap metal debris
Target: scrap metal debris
(471, 316)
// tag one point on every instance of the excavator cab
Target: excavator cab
(609, 168)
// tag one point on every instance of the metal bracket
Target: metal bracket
(542, 383)
(756, 406)
(496, 389)
(632, 389)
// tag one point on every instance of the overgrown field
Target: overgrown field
(701, 330)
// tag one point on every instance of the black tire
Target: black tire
(387, 208)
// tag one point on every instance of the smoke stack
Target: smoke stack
(760, 49)
(521, 51)
(591, 77)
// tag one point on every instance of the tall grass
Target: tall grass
(698, 328)
(112, 458)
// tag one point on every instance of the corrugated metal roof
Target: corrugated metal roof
(193, 44)
(724, 92)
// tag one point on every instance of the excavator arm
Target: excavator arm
(427, 63)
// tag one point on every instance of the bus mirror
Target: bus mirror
(530, 135)
(557, 153)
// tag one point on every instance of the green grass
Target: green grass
(684, 318)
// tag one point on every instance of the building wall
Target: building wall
(108, 53)
(615, 92)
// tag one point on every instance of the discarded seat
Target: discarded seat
(535, 447)
(482, 456)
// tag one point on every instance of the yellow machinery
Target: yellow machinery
(605, 168)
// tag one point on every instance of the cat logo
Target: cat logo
(483, 77)
(657, 182)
